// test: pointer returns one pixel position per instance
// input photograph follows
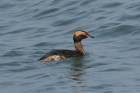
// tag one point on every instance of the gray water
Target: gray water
(31, 28)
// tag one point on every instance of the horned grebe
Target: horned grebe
(61, 54)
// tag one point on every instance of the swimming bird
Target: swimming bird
(56, 55)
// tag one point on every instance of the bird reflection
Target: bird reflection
(78, 72)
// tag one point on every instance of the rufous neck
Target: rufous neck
(79, 47)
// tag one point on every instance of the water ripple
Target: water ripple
(112, 5)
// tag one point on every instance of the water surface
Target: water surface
(29, 29)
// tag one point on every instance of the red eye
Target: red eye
(85, 34)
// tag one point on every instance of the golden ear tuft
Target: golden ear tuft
(78, 32)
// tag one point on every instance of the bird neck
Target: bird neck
(79, 47)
